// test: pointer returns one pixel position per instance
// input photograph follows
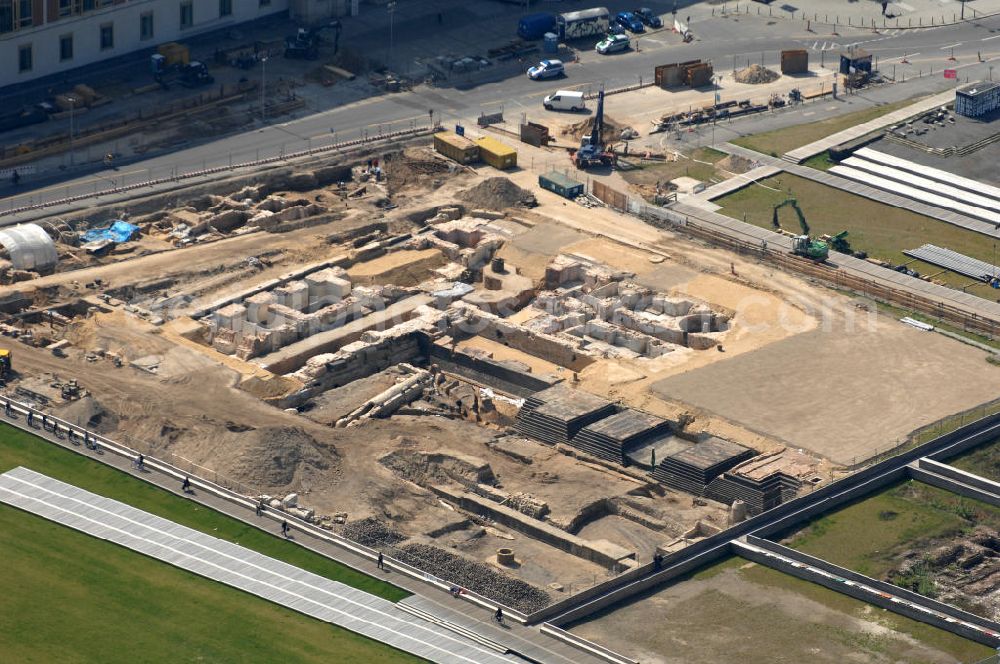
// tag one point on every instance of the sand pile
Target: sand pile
(497, 194)
(89, 413)
(755, 74)
(271, 457)
(372, 532)
(611, 129)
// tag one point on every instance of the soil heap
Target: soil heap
(497, 194)
(755, 75)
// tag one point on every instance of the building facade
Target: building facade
(977, 99)
(43, 37)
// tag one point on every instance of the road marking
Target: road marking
(989, 38)
(808, 113)
(945, 48)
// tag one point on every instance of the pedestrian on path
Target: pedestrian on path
(140, 462)
(284, 528)
(381, 561)
(186, 487)
(498, 616)
(260, 507)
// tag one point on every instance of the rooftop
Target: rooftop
(626, 424)
(566, 403)
(710, 453)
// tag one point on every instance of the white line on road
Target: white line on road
(989, 38)
(945, 48)
(808, 113)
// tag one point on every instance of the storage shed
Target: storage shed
(496, 154)
(561, 184)
(456, 147)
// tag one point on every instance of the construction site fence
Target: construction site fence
(831, 276)
(832, 22)
(175, 177)
(224, 93)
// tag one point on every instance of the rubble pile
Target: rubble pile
(755, 75)
(477, 577)
(372, 532)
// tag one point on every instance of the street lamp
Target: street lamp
(391, 8)
(263, 86)
(72, 102)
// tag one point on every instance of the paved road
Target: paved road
(725, 41)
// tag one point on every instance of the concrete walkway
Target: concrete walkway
(529, 641)
(798, 155)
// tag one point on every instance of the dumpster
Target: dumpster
(456, 147)
(496, 154)
(561, 184)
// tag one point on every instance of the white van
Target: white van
(564, 100)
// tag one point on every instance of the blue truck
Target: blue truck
(534, 26)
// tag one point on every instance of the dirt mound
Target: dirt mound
(441, 467)
(272, 457)
(612, 129)
(497, 194)
(736, 164)
(89, 413)
(372, 532)
(477, 577)
(755, 75)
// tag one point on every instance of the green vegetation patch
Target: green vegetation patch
(983, 460)
(69, 597)
(881, 230)
(869, 535)
(18, 448)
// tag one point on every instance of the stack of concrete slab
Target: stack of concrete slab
(612, 438)
(557, 414)
(692, 469)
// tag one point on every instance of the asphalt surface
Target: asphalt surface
(726, 41)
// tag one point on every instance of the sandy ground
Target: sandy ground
(842, 394)
(500, 352)
(753, 615)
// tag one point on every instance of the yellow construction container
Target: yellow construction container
(174, 53)
(456, 147)
(496, 154)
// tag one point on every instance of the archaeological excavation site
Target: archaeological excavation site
(518, 394)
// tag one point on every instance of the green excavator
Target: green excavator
(802, 245)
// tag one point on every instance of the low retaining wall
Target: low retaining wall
(517, 382)
(959, 475)
(948, 484)
(872, 598)
(536, 529)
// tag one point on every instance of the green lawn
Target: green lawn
(780, 141)
(699, 164)
(881, 230)
(867, 535)
(18, 448)
(67, 597)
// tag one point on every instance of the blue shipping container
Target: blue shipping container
(534, 26)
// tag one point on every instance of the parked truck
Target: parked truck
(584, 23)
(534, 26)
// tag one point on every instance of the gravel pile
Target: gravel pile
(755, 74)
(477, 577)
(497, 194)
(372, 532)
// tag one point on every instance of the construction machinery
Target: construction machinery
(6, 366)
(190, 74)
(592, 150)
(802, 245)
(304, 44)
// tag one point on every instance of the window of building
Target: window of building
(107, 36)
(14, 15)
(66, 47)
(66, 7)
(225, 8)
(146, 25)
(265, 3)
(24, 57)
(187, 14)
